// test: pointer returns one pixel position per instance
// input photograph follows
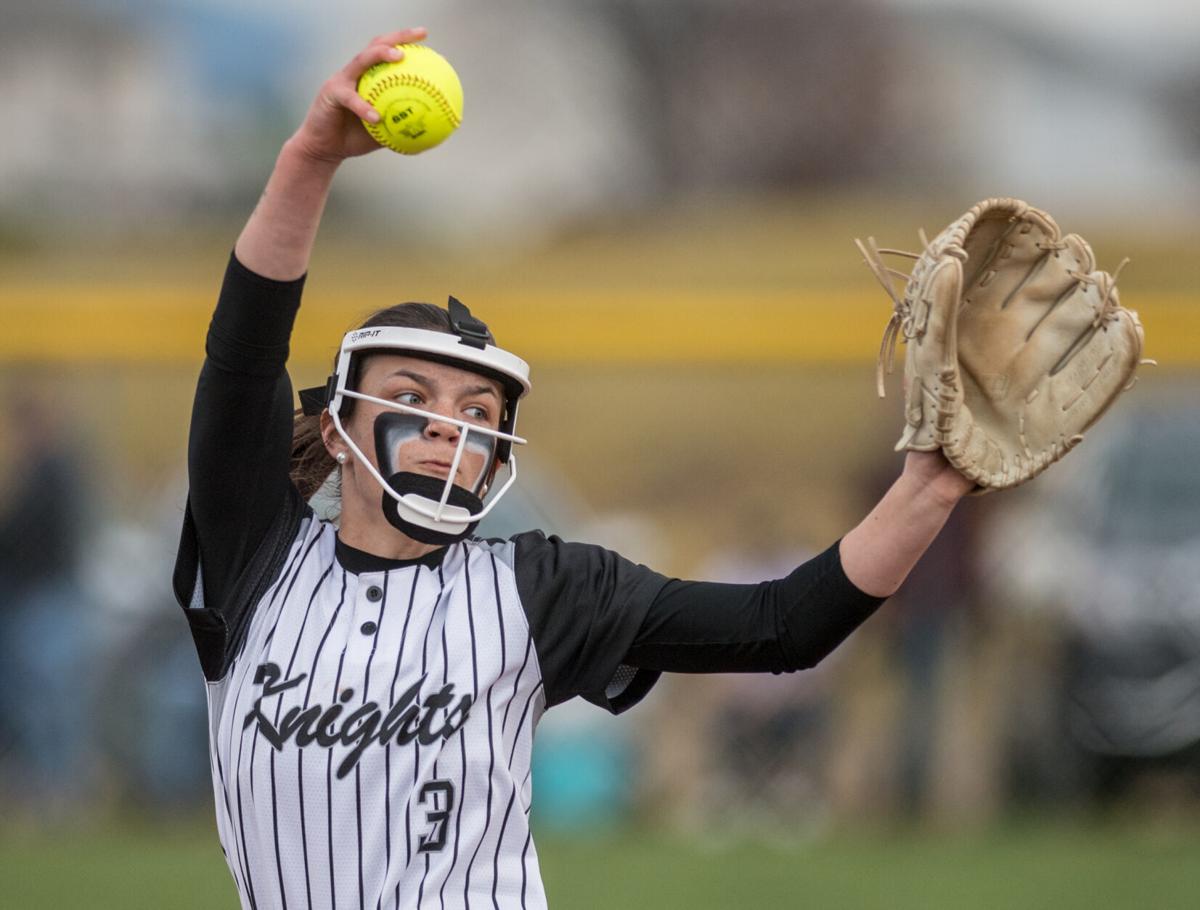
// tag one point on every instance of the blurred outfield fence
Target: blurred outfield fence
(164, 325)
(771, 280)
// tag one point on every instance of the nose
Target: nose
(441, 429)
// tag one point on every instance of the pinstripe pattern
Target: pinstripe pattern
(329, 841)
(382, 672)
(416, 745)
(217, 693)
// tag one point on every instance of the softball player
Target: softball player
(373, 687)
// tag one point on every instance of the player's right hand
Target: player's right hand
(332, 130)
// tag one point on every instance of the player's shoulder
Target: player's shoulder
(316, 528)
(532, 543)
(508, 549)
(542, 561)
(522, 538)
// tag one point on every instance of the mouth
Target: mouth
(435, 468)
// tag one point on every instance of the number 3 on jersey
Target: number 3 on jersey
(438, 816)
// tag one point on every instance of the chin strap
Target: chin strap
(429, 490)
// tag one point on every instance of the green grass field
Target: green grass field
(1036, 865)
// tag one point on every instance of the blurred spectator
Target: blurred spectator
(954, 650)
(924, 713)
(767, 736)
(583, 765)
(744, 754)
(45, 685)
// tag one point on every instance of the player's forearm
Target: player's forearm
(880, 552)
(787, 624)
(278, 239)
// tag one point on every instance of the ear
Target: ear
(329, 435)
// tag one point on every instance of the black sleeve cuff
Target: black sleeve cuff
(821, 607)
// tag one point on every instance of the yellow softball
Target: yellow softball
(419, 100)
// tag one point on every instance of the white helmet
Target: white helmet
(427, 508)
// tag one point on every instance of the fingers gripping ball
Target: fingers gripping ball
(419, 100)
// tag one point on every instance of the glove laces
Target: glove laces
(902, 321)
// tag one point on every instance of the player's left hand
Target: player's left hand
(332, 130)
(932, 471)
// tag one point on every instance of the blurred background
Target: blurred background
(653, 201)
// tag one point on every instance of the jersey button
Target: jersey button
(368, 628)
(374, 593)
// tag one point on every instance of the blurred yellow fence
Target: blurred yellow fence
(80, 323)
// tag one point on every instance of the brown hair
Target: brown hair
(311, 462)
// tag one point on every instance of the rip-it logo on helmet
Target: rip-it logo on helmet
(427, 508)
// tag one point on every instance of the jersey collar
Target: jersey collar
(360, 562)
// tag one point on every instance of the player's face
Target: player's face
(418, 444)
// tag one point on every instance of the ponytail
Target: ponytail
(311, 462)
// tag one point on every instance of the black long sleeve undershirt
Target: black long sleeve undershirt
(238, 459)
(239, 446)
(781, 625)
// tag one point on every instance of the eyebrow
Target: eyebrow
(482, 389)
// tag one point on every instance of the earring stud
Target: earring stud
(341, 457)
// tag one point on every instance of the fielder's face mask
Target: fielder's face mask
(429, 509)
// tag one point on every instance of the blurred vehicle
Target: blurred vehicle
(1111, 542)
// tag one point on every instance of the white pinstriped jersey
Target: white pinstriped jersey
(371, 721)
(371, 739)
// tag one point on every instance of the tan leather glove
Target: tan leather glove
(1016, 344)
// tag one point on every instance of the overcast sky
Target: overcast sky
(1169, 22)
(1174, 24)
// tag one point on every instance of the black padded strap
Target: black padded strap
(471, 331)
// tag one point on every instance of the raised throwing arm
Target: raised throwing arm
(278, 239)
